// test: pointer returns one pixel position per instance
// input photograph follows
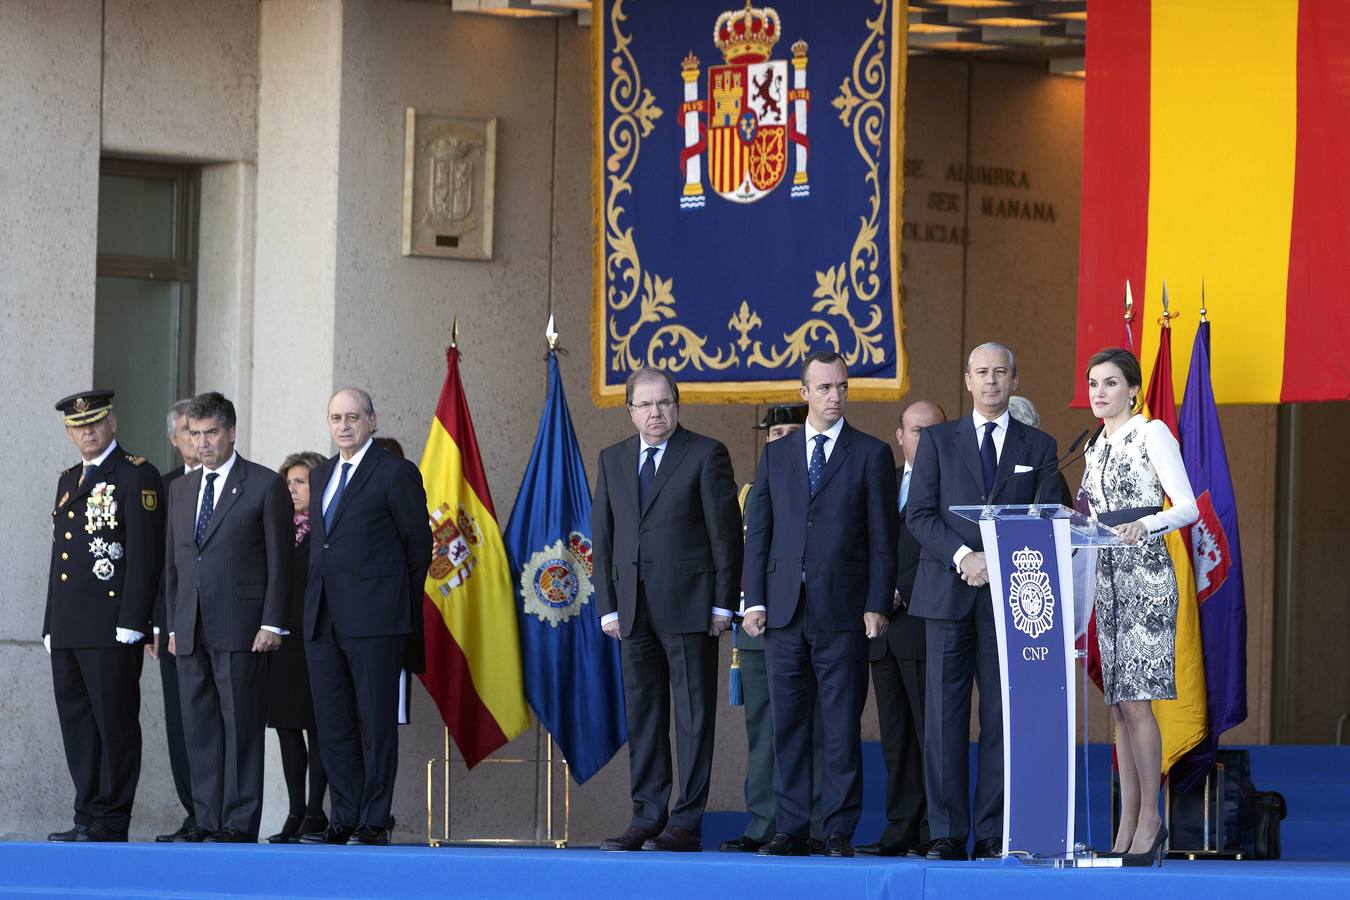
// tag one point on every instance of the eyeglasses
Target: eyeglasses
(646, 406)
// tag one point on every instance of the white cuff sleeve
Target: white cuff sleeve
(47, 642)
(960, 555)
(275, 630)
(724, 613)
(609, 617)
(753, 609)
(156, 629)
(128, 636)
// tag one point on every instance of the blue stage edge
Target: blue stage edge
(143, 870)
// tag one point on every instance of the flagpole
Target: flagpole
(1129, 317)
(1203, 312)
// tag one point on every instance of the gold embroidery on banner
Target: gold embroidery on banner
(838, 289)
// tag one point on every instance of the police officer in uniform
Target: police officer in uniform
(107, 555)
(748, 657)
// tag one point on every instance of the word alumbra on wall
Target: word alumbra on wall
(747, 193)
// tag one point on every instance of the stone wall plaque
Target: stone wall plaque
(449, 163)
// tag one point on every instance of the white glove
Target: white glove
(47, 642)
(127, 636)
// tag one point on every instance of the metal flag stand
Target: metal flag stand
(552, 823)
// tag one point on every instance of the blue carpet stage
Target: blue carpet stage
(1314, 780)
(145, 870)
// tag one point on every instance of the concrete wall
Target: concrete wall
(299, 106)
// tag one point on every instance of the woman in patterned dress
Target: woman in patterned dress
(1130, 467)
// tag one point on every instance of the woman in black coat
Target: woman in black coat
(290, 705)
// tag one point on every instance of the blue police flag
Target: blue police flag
(572, 676)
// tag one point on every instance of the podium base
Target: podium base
(1084, 860)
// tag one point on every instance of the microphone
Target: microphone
(1054, 464)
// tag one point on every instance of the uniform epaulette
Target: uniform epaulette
(135, 460)
(71, 469)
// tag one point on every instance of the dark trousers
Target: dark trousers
(806, 663)
(759, 758)
(355, 679)
(224, 698)
(899, 687)
(98, 702)
(301, 764)
(960, 652)
(173, 727)
(656, 667)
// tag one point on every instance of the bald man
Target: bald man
(370, 547)
(897, 663)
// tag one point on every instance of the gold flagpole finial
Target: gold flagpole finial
(1167, 316)
(1203, 311)
(551, 333)
(1129, 304)
(454, 332)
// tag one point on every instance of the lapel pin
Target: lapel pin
(234, 490)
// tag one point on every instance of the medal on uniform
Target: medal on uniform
(100, 509)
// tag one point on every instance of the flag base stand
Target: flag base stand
(551, 823)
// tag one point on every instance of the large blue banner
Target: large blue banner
(747, 194)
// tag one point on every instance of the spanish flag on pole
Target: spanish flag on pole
(472, 639)
(1182, 721)
(1215, 137)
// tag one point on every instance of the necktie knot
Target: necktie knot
(817, 465)
(211, 479)
(208, 507)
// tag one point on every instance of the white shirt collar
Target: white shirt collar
(188, 470)
(98, 460)
(643, 445)
(1001, 421)
(224, 470)
(908, 468)
(832, 432)
(357, 456)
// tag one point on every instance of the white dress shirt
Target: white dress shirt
(98, 460)
(336, 478)
(660, 454)
(831, 435)
(1000, 435)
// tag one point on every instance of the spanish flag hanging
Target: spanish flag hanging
(472, 637)
(1215, 135)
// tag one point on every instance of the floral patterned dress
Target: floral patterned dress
(1136, 590)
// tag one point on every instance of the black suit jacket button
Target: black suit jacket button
(325, 546)
(810, 522)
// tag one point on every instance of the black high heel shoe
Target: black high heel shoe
(1150, 857)
(289, 833)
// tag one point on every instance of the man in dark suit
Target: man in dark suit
(370, 546)
(158, 647)
(226, 586)
(820, 574)
(897, 662)
(983, 457)
(666, 536)
(107, 555)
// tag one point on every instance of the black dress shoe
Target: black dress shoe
(64, 837)
(333, 834)
(674, 839)
(193, 835)
(632, 839)
(815, 846)
(290, 831)
(318, 822)
(837, 845)
(881, 848)
(230, 835)
(368, 836)
(946, 848)
(188, 824)
(742, 844)
(988, 848)
(920, 849)
(783, 844)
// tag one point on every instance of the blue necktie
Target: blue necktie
(208, 506)
(817, 466)
(989, 458)
(337, 496)
(645, 478)
(904, 491)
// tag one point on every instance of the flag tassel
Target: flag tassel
(735, 692)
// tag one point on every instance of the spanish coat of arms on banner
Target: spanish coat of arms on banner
(746, 213)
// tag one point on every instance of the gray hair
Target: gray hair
(994, 345)
(367, 404)
(307, 458)
(176, 412)
(1021, 409)
(212, 405)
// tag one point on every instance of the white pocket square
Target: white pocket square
(1018, 470)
